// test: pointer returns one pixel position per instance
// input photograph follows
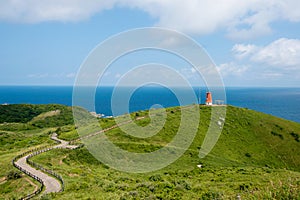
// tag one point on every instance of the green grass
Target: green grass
(15, 189)
(11, 145)
(255, 157)
(17, 137)
(24, 113)
(87, 178)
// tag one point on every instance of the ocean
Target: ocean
(280, 102)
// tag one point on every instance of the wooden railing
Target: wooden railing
(34, 152)
(40, 167)
(38, 191)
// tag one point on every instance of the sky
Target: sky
(252, 43)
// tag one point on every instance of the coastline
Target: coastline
(280, 102)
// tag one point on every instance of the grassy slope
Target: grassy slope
(20, 134)
(258, 139)
(31, 114)
(255, 157)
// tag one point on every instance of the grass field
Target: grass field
(13, 143)
(255, 157)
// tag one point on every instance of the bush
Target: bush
(244, 187)
(182, 184)
(248, 155)
(295, 136)
(156, 177)
(277, 134)
(211, 195)
(13, 175)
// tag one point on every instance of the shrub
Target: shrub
(155, 177)
(134, 193)
(279, 127)
(248, 155)
(277, 134)
(244, 187)
(211, 195)
(182, 184)
(295, 136)
(13, 175)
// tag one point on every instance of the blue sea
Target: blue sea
(281, 102)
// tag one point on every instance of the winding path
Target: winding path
(51, 184)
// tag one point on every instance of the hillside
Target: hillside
(255, 157)
(40, 116)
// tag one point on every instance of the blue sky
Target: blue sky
(253, 43)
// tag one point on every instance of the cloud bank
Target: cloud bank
(283, 53)
(240, 19)
(36, 11)
(272, 64)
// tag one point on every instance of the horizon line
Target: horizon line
(201, 86)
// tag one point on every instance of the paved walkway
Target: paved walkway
(63, 143)
(51, 184)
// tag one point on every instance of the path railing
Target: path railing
(34, 152)
(38, 191)
(40, 167)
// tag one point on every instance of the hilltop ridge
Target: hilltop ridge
(255, 156)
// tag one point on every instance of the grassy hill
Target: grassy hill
(23, 127)
(36, 116)
(255, 157)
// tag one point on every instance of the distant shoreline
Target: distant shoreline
(280, 102)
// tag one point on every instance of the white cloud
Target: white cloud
(232, 69)
(272, 75)
(241, 51)
(38, 75)
(275, 63)
(46, 75)
(190, 73)
(241, 19)
(191, 16)
(284, 53)
(33, 11)
(70, 75)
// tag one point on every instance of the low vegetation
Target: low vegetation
(39, 116)
(255, 158)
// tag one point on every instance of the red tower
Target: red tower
(208, 98)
